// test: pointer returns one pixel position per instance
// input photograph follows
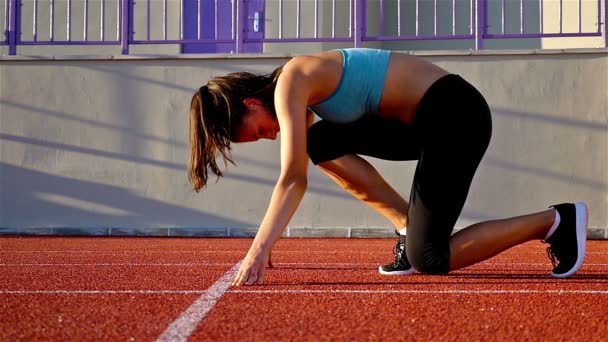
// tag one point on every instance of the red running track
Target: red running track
(153, 289)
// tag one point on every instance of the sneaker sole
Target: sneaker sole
(582, 219)
(397, 273)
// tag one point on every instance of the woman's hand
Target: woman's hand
(253, 268)
(270, 260)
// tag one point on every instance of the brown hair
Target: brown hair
(216, 110)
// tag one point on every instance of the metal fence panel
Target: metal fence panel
(543, 18)
(239, 23)
(70, 22)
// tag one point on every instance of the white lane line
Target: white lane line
(94, 292)
(121, 264)
(600, 292)
(121, 251)
(286, 291)
(330, 264)
(303, 250)
(184, 325)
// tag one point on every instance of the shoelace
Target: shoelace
(398, 251)
(552, 257)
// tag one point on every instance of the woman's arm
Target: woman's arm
(291, 96)
(357, 176)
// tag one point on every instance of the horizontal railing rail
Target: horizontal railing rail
(236, 23)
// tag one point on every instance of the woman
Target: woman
(386, 105)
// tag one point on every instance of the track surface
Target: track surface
(154, 289)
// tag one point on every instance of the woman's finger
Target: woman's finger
(243, 277)
(252, 278)
(261, 276)
(236, 278)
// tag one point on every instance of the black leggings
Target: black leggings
(449, 136)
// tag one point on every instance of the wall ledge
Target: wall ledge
(427, 53)
(291, 232)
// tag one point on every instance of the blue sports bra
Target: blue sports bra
(360, 88)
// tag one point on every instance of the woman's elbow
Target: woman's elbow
(296, 182)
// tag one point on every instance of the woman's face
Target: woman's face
(258, 123)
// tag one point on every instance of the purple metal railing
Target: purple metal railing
(475, 20)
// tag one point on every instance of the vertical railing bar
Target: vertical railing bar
(280, 19)
(298, 4)
(580, 19)
(198, 19)
(316, 18)
(521, 16)
(333, 18)
(417, 16)
(560, 16)
(542, 17)
(85, 29)
(35, 21)
(232, 25)
(240, 24)
(351, 12)
(125, 21)
(215, 14)
(51, 21)
(358, 11)
(148, 15)
(181, 19)
(503, 16)
(17, 13)
(11, 23)
(434, 17)
(475, 21)
(102, 19)
(453, 17)
(68, 10)
(6, 18)
(381, 22)
(164, 19)
(118, 21)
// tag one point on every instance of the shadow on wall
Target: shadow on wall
(550, 119)
(577, 126)
(38, 199)
(319, 189)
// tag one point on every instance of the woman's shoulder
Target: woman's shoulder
(314, 59)
(318, 72)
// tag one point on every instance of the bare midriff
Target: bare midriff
(407, 80)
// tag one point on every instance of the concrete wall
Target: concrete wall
(100, 144)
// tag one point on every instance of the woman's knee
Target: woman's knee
(429, 259)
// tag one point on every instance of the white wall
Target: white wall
(102, 143)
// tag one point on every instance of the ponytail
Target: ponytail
(216, 111)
